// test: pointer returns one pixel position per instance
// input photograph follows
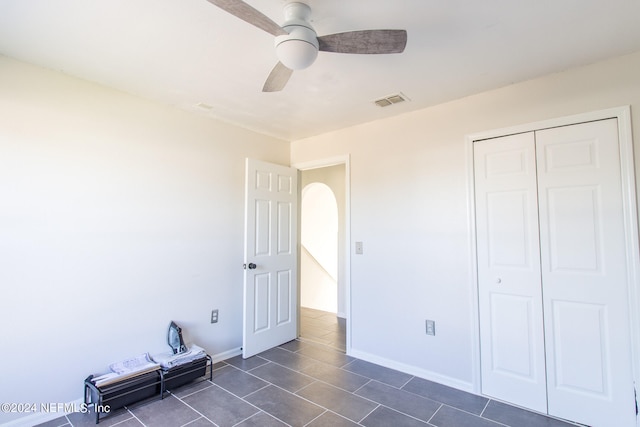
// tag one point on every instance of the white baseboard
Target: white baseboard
(227, 354)
(413, 370)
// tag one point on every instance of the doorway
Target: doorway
(324, 250)
(319, 247)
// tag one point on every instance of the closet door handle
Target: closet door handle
(498, 280)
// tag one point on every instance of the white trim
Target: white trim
(332, 161)
(473, 268)
(630, 218)
(226, 355)
(417, 372)
(623, 115)
(322, 163)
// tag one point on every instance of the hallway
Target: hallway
(323, 327)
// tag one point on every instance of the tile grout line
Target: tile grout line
(370, 412)
(485, 408)
(134, 416)
(407, 382)
(194, 409)
(435, 412)
(362, 386)
(193, 421)
(258, 413)
(471, 413)
(310, 421)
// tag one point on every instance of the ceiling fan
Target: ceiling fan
(297, 44)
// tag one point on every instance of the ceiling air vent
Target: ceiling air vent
(390, 100)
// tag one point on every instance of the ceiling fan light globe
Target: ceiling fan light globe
(298, 49)
(296, 54)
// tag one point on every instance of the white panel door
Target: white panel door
(584, 272)
(270, 279)
(509, 283)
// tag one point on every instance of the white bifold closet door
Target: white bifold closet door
(552, 273)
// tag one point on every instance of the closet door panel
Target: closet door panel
(583, 265)
(575, 229)
(510, 299)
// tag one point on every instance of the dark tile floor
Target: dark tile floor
(322, 327)
(302, 383)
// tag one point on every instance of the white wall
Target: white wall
(117, 215)
(409, 207)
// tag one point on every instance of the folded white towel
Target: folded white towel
(170, 360)
(125, 369)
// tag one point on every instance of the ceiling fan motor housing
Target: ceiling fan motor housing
(298, 49)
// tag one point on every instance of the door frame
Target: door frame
(623, 115)
(321, 163)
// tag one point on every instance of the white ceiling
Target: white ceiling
(189, 52)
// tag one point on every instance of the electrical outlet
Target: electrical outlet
(214, 316)
(430, 327)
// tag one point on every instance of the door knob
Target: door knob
(251, 266)
(498, 280)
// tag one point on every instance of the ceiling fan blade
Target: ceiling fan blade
(248, 14)
(366, 42)
(277, 79)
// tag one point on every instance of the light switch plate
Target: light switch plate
(430, 327)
